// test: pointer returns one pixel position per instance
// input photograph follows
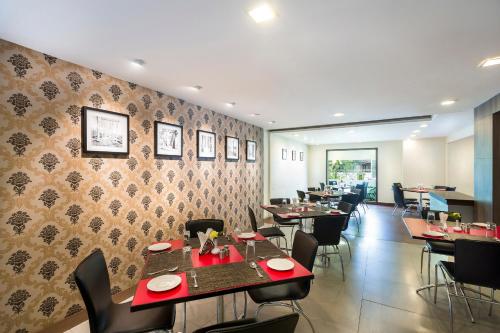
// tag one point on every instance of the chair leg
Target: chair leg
(435, 280)
(286, 244)
(184, 328)
(348, 245)
(395, 208)
(450, 309)
(492, 300)
(299, 308)
(422, 259)
(341, 262)
(469, 310)
(429, 267)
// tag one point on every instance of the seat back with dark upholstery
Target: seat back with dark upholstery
(278, 201)
(314, 198)
(351, 198)
(362, 191)
(399, 198)
(327, 229)
(332, 182)
(301, 195)
(322, 186)
(398, 185)
(345, 207)
(444, 187)
(92, 279)
(304, 249)
(193, 226)
(283, 324)
(253, 220)
(476, 262)
(312, 189)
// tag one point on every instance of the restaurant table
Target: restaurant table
(417, 227)
(334, 194)
(301, 211)
(216, 277)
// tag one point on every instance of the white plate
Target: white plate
(159, 247)
(280, 264)
(480, 224)
(247, 235)
(433, 233)
(293, 214)
(164, 283)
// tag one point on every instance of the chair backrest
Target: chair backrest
(398, 185)
(301, 195)
(304, 249)
(444, 187)
(476, 262)
(351, 198)
(345, 207)
(285, 323)
(362, 191)
(253, 221)
(312, 189)
(279, 201)
(332, 182)
(193, 226)
(327, 229)
(91, 277)
(399, 198)
(314, 198)
(322, 186)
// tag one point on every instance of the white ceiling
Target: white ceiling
(369, 59)
(454, 126)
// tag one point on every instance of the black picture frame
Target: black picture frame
(87, 148)
(294, 155)
(284, 154)
(156, 146)
(301, 155)
(228, 157)
(198, 155)
(247, 150)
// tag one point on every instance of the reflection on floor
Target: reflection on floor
(377, 296)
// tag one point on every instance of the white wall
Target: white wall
(460, 165)
(286, 176)
(389, 164)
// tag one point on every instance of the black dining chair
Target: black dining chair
(312, 189)
(270, 232)
(328, 230)
(280, 222)
(401, 202)
(353, 199)
(346, 207)
(91, 277)
(362, 188)
(322, 186)
(476, 263)
(202, 225)
(301, 195)
(445, 188)
(283, 324)
(304, 251)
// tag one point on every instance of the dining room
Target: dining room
(247, 166)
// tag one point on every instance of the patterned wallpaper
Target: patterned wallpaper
(57, 205)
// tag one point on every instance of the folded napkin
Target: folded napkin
(206, 244)
(443, 217)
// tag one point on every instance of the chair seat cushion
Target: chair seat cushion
(285, 222)
(123, 320)
(271, 232)
(226, 324)
(443, 248)
(281, 292)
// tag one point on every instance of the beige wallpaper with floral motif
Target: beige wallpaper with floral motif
(56, 205)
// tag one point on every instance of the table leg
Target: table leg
(420, 201)
(220, 309)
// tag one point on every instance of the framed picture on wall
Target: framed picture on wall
(232, 148)
(251, 150)
(283, 154)
(206, 145)
(168, 140)
(294, 155)
(104, 132)
(301, 156)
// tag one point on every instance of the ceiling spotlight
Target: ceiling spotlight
(448, 102)
(271, 122)
(138, 63)
(416, 131)
(262, 13)
(230, 104)
(254, 114)
(424, 126)
(488, 62)
(338, 114)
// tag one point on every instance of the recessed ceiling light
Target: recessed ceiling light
(271, 122)
(424, 125)
(416, 131)
(490, 62)
(338, 114)
(295, 134)
(262, 13)
(413, 136)
(230, 104)
(254, 114)
(448, 102)
(138, 63)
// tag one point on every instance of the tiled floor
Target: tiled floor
(377, 296)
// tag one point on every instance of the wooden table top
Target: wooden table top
(334, 194)
(303, 211)
(417, 227)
